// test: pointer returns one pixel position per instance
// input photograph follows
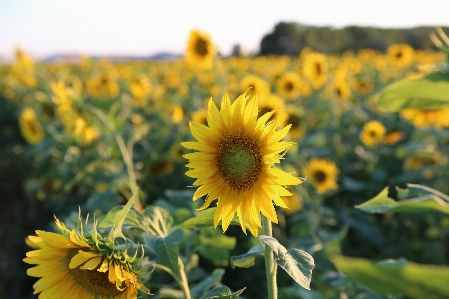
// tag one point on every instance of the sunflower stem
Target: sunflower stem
(270, 264)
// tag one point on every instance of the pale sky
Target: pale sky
(43, 28)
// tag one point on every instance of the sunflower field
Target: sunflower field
(110, 174)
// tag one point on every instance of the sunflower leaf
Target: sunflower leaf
(248, 259)
(202, 287)
(204, 219)
(222, 293)
(398, 277)
(381, 203)
(297, 263)
(429, 92)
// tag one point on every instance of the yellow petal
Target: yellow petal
(81, 257)
(91, 264)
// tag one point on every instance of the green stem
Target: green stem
(270, 264)
(181, 281)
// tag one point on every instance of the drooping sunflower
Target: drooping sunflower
(372, 133)
(323, 174)
(72, 266)
(30, 126)
(400, 55)
(235, 162)
(200, 50)
(421, 118)
(315, 68)
(289, 85)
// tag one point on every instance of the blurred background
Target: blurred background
(127, 58)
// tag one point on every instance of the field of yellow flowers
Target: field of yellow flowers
(85, 136)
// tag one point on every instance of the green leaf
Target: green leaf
(413, 280)
(218, 256)
(429, 92)
(120, 217)
(297, 263)
(221, 241)
(248, 259)
(222, 293)
(204, 219)
(381, 203)
(201, 288)
(166, 249)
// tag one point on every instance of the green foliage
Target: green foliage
(222, 293)
(204, 219)
(398, 277)
(246, 260)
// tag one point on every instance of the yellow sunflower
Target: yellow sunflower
(339, 89)
(70, 266)
(290, 85)
(315, 68)
(200, 116)
(254, 85)
(392, 137)
(373, 133)
(323, 174)
(295, 117)
(235, 162)
(270, 103)
(200, 50)
(400, 55)
(421, 118)
(30, 127)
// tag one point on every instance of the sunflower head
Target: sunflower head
(200, 50)
(323, 174)
(30, 126)
(421, 118)
(88, 264)
(254, 85)
(315, 68)
(290, 85)
(235, 161)
(373, 133)
(400, 55)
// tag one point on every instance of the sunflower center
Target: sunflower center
(264, 110)
(294, 120)
(398, 55)
(372, 133)
(32, 126)
(239, 161)
(319, 176)
(318, 69)
(289, 86)
(94, 281)
(201, 47)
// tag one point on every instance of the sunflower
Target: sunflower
(363, 85)
(339, 89)
(315, 68)
(294, 204)
(71, 266)
(235, 162)
(400, 55)
(104, 86)
(323, 174)
(269, 103)
(200, 50)
(373, 133)
(392, 137)
(139, 88)
(295, 117)
(420, 118)
(290, 85)
(200, 116)
(254, 85)
(30, 127)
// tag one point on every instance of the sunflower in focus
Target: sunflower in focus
(421, 118)
(30, 127)
(234, 162)
(323, 174)
(372, 133)
(290, 86)
(73, 266)
(400, 55)
(315, 68)
(200, 50)
(254, 85)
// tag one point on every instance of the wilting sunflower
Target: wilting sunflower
(315, 68)
(421, 118)
(289, 85)
(323, 174)
(30, 127)
(373, 133)
(200, 50)
(71, 265)
(400, 54)
(235, 162)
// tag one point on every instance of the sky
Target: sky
(43, 28)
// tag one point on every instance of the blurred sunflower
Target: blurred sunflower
(200, 50)
(323, 174)
(161, 167)
(339, 89)
(363, 85)
(72, 266)
(270, 103)
(234, 162)
(294, 116)
(400, 55)
(294, 204)
(177, 114)
(421, 118)
(393, 137)
(289, 85)
(254, 85)
(200, 116)
(315, 68)
(30, 127)
(103, 86)
(139, 88)
(372, 133)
